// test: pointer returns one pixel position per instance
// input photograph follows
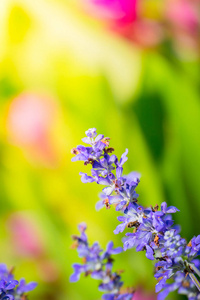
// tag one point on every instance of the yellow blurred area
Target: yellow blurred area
(57, 44)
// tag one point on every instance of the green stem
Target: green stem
(195, 280)
(196, 270)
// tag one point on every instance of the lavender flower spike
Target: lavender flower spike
(98, 264)
(152, 230)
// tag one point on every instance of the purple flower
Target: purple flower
(153, 230)
(78, 269)
(193, 248)
(103, 202)
(123, 159)
(8, 285)
(105, 164)
(85, 178)
(110, 250)
(89, 154)
(99, 265)
(82, 153)
(24, 287)
(132, 218)
(91, 133)
(169, 209)
(10, 288)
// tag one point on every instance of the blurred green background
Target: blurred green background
(63, 69)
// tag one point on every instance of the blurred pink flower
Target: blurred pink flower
(183, 13)
(146, 33)
(30, 122)
(48, 270)
(25, 236)
(121, 12)
(123, 17)
(27, 241)
(184, 25)
(141, 295)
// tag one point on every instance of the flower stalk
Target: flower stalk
(195, 280)
(149, 229)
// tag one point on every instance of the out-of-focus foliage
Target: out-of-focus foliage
(66, 66)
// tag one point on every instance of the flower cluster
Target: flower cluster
(153, 230)
(98, 264)
(11, 289)
(178, 260)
